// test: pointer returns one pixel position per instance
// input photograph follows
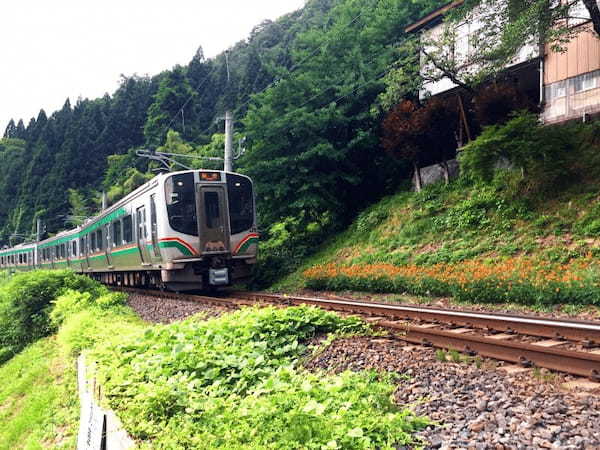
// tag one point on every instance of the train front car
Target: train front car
(211, 239)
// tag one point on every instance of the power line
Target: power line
(189, 99)
(297, 65)
(277, 80)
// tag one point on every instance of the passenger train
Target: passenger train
(180, 231)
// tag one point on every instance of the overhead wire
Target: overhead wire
(277, 80)
(299, 64)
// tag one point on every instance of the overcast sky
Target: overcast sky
(54, 49)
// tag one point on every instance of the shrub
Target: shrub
(26, 301)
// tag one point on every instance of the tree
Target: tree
(171, 109)
(11, 129)
(422, 134)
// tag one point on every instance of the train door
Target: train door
(155, 254)
(83, 252)
(109, 240)
(213, 226)
(142, 234)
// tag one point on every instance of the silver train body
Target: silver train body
(180, 231)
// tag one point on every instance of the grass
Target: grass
(38, 399)
(39, 406)
(478, 225)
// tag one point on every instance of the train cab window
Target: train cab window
(241, 203)
(127, 229)
(180, 194)
(116, 233)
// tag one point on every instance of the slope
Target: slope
(531, 239)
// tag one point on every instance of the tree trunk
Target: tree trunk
(594, 10)
(418, 181)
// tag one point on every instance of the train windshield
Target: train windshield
(181, 203)
(241, 203)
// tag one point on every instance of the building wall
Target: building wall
(582, 56)
(572, 78)
(463, 48)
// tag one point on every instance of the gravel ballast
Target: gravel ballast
(166, 310)
(475, 408)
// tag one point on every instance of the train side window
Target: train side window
(81, 246)
(99, 242)
(116, 233)
(127, 229)
(74, 248)
(93, 242)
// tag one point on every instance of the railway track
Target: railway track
(562, 345)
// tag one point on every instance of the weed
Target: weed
(455, 356)
(441, 355)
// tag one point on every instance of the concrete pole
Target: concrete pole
(228, 165)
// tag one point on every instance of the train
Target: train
(180, 231)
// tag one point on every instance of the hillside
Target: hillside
(528, 239)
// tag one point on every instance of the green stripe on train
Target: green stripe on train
(248, 243)
(174, 244)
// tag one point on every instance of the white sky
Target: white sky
(54, 49)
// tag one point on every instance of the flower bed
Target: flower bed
(519, 279)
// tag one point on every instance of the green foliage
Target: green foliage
(541, 152)
(286, 243)
(26, 302)
(230, 383)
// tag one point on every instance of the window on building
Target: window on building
(587, 81)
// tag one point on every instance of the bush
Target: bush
(550, 157)
(26, 302)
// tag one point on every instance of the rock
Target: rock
(477, 426)
(482, 405)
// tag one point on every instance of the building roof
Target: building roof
(432, 17)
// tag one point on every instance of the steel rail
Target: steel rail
(580, 331)
(575, 362)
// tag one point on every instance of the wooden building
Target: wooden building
(568, 83)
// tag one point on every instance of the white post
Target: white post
(228, 165)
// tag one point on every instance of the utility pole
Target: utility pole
(228, 165)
